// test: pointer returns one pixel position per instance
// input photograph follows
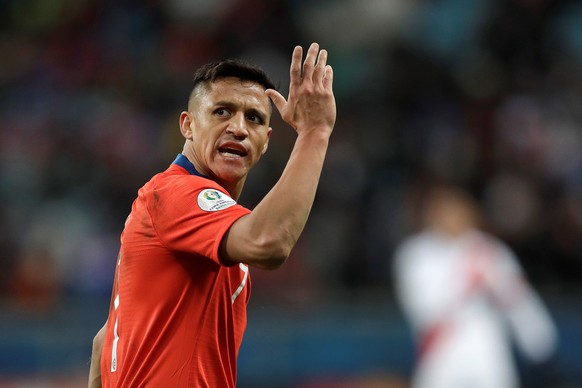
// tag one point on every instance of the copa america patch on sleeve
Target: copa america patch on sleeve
(211, 200)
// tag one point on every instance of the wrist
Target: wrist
(313, 140)
(321, 133)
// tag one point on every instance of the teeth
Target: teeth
(229, 154)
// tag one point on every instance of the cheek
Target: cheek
(205, 139)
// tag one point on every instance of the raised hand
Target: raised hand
(310, 105)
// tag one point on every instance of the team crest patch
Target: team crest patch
(211, 200)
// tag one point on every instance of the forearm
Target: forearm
(265, 237)
(286, 207)
(95, 368)
(274, 226)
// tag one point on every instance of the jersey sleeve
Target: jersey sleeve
(192, 214)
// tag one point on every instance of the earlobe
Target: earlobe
(185, 125)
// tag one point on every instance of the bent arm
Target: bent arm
(95, 368)
(265, 237)
(528, 317)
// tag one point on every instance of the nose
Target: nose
(237, 126)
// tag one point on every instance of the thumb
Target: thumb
(277, 99)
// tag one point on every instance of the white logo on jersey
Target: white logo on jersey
(211, 200)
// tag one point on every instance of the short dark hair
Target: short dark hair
(243, 70)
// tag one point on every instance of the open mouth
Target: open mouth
(233, 151)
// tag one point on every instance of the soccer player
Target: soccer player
(466, 297)
(182, 281)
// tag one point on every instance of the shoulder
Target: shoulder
(414, 245)
(176, 182)
(418, 240)
(488, 241)
(495, 249)
(175, 188)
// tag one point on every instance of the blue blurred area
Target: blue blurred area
(483, 94)
(347, 338)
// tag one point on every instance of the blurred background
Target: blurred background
(486, 94)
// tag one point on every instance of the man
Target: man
(466, 297)
(182, 283)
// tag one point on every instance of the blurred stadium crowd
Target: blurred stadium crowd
(484, 94)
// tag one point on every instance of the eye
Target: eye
(255, 118)
(222, 112)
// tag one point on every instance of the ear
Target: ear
(266, 145)
(186, 125)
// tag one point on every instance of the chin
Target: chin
(232, 170)
(232, 175)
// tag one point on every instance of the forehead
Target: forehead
(235, 91)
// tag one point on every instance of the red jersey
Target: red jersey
(178, 312)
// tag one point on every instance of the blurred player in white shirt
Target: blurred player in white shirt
(465, 295)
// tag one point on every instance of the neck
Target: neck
(234, 189)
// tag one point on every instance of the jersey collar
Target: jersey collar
(183, 162)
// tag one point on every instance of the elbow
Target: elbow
(276, 258)
(265, 248)
(276, 262)
(98, 341)
(274, 254)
